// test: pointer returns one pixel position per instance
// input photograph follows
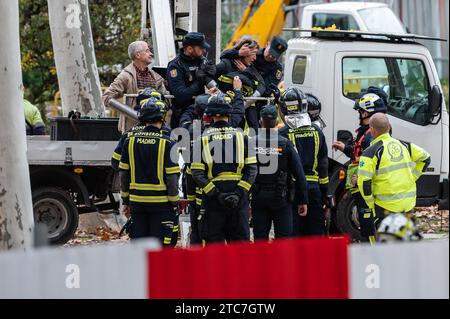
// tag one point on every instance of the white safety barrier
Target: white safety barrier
(403, 270)
(107, 271)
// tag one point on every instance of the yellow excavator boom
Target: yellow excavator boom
(266, 22)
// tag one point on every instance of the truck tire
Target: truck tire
(54, 208)
(347, 217)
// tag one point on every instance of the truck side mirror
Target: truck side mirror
(434, 102)
(344, 136)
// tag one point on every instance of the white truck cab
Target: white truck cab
(357, 16)
(336, 70)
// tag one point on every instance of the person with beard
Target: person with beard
(189, 73)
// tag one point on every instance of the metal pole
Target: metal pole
(16, 208)
(122, 108)
(76, 65)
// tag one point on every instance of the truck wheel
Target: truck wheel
(347, 220)
(54, 208)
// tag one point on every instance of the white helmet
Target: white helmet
(397, 226)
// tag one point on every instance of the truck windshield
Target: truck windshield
(382, 20)
(404, 81)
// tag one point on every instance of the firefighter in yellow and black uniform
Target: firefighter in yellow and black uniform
(141, 99)
(224, 166)
(149, 178)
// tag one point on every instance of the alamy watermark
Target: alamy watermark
(373, 276)
(225, 147)
(73, 277)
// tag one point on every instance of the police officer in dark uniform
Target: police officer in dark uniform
(310, 143)
(268, 64)
(149, 178)
(189, 73)
(278, 161)
(225, 168)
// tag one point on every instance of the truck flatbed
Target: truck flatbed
(43, 151)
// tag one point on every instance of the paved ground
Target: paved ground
(433, 224)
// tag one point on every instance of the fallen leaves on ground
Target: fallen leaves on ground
(430, 220)
(101, 236)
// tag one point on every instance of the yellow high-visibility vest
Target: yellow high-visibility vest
(388, 171)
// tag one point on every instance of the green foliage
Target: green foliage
(114, 25)
(38, 66)
(227, 31)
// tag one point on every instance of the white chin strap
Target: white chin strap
(297, 120)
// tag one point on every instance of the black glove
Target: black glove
(275, 91)
(208, 67)
(324, 193)
(232, 200)
(206, 72)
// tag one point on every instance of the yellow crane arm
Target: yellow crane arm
(266, 22)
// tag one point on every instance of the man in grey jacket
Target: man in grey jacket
(136, 76)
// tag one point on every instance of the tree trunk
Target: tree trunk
(76, 65)
(16, 208)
